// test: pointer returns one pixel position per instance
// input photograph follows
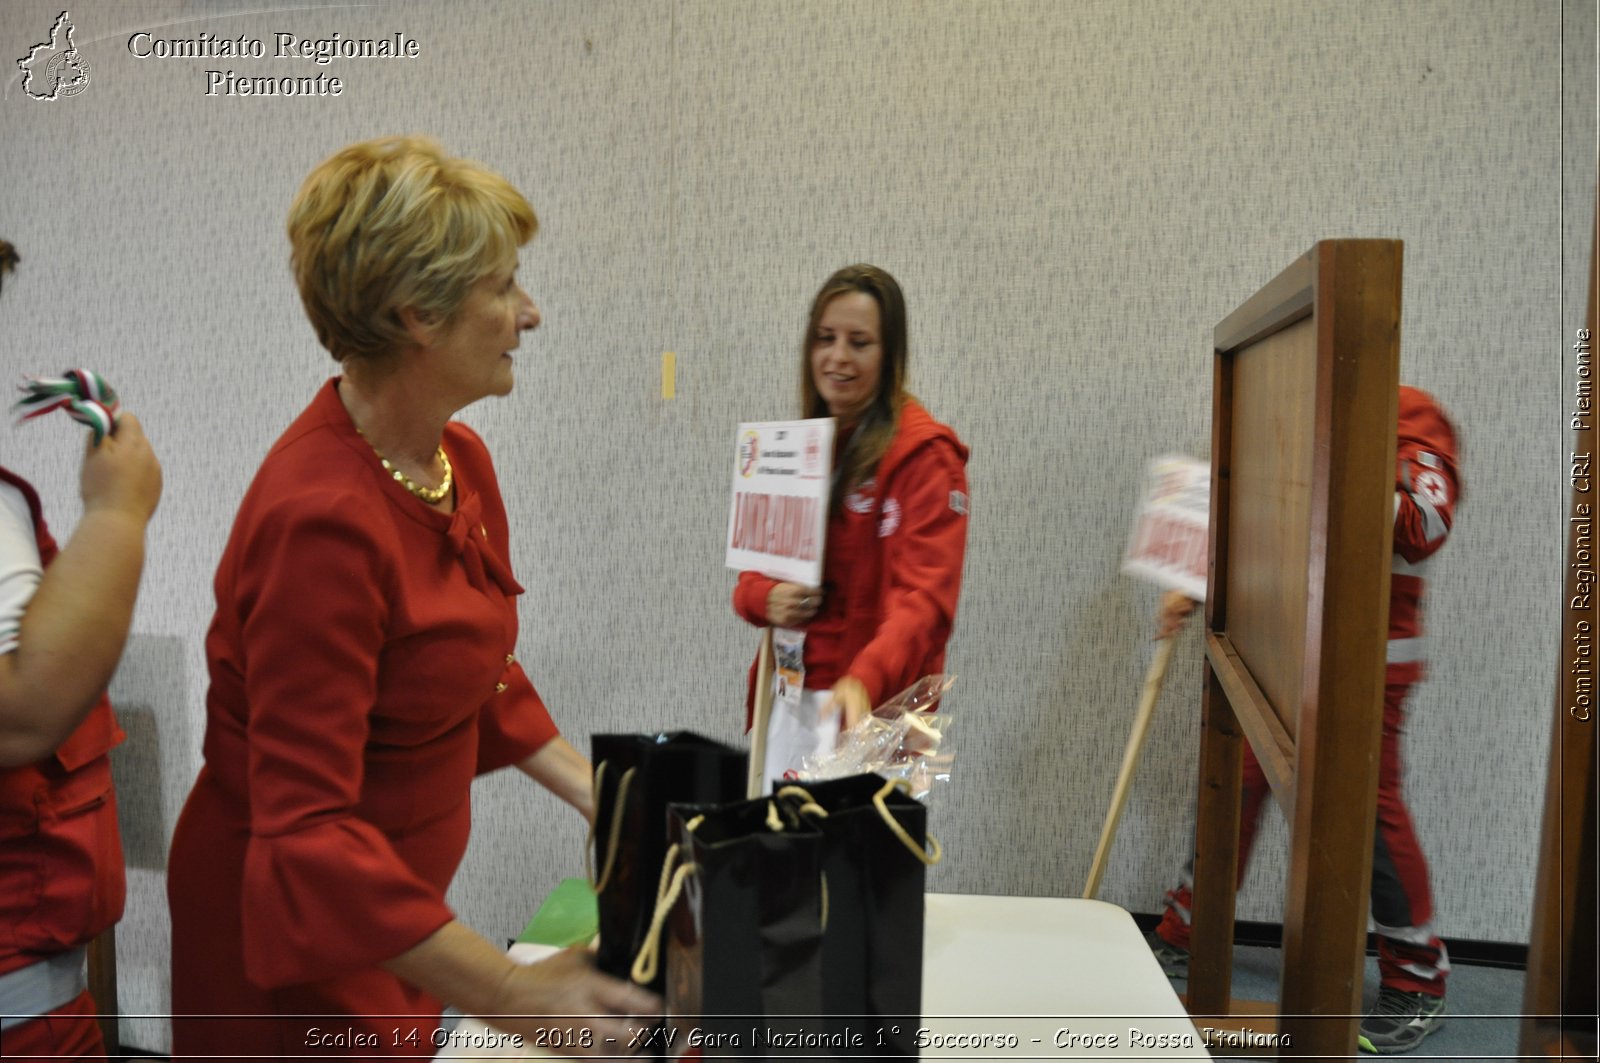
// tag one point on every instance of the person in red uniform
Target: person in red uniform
(1412, 961)
(897, 526)
(363, 656)
(64, 617)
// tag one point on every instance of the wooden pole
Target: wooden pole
(1153, 679)
(761, 716)
(103, 986)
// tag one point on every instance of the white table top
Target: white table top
(1061, 978)
(1014, 978)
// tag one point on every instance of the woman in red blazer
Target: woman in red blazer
(363, 654)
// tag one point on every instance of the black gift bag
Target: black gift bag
(742, 940)
(875, 858)
(636, 777)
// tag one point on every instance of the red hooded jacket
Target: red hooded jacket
(892, 572)
(1427, 488)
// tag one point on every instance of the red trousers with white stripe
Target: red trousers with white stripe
(1410, 956)
(68, 1032)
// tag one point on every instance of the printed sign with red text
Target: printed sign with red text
(781, 477)
(1168, 545)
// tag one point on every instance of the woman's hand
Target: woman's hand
(563, 1001)
(606, 1013)
(74, 629)
(792, 605)
(1173, 613)
(120, 473)
(850, 699)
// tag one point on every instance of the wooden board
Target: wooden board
(1306, 380)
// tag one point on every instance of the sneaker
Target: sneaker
(1173, 960)
(1399, 1021)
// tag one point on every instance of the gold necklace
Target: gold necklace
(431, 495)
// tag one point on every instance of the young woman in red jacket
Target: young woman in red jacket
(897, 526)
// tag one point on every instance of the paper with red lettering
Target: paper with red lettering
(781, 476)
(1169, 540)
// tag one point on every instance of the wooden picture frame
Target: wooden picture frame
(1305, 395)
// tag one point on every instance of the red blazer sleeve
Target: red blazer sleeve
(1427, 481)
(309, 853)
(923, 561)
(514, 725)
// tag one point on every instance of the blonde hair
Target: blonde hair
(392, 223)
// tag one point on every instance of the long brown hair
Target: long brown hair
(876, 426)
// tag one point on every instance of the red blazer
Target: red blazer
(362, 665)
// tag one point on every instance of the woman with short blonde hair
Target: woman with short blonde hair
(363, 654)
(394, 223)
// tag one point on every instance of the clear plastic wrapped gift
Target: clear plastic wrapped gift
(903, 738)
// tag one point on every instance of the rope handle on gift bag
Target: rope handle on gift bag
(616, 827)
(648, 961)
(808, 806)
(935, 851)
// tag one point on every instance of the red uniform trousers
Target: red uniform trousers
(1410, 956)
(68, 1032)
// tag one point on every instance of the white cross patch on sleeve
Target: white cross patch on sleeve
(1433, 487)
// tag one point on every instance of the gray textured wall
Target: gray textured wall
(1072, 195)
